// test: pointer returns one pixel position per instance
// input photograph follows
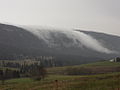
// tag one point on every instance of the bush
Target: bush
(38, 72)
(8, 74)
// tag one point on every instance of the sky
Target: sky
(91, 15)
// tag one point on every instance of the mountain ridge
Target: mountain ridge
(64, 45)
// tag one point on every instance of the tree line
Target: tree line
(33, 71)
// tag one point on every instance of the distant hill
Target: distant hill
(69, 47)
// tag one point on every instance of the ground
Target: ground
(106, 81)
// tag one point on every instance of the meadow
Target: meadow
(105, 81)
(93, 82)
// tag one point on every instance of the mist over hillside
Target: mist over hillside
(65, 45)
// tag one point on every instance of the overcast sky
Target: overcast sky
(97, 15)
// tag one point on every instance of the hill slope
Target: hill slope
(69, 47)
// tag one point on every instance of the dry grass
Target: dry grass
(93, 82)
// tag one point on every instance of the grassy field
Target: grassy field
(107, 81)
(103, 63)
(93, 82)
(98, 67)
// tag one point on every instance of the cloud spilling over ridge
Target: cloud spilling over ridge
(68, 38)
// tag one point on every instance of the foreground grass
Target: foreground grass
(109, 81)
(93, 82)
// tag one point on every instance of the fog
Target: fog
(68, 38)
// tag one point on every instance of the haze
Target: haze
(93, 15)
